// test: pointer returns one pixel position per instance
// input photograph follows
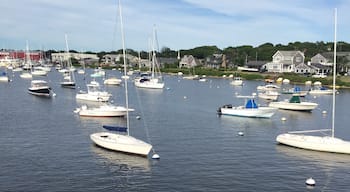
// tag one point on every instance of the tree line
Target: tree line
(240, 54)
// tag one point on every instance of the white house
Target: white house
(285, 61)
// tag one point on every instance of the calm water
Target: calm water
(46, 147)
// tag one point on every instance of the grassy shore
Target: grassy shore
(341, 81)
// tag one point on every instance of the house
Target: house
(318, 58)
(188, 61)
(285, 61)
(58, 57)
(215, 61)
(256, 65)
(303, 68)
(113, 59)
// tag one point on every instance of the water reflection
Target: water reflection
(322, 159)
(120, 161)
(100, 121)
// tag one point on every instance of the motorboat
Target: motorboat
(4, 77)
(112, 81)
(269, 95)
(94, 93)
(268, 87)
(103, 111)
(295, 91)
(26, 75)
(320, 90)
(294, 104)
(250, 109)
(40, 88)
(237, 81)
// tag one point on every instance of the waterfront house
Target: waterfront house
(188, 61)
(285, 61)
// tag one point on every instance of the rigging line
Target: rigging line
(143, 116)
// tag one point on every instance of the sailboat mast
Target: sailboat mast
(125, 79)
(69, 61)
(334, 68)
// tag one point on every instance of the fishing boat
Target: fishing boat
(40, 88)
(294, 104)
(118, 141)
(328, 143)
(94, 93)
(250, 109)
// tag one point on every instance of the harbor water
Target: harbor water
(45, 146)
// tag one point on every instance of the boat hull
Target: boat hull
(68, 84)
(261, 112)
(45, 91)
(93, 97)
(302, 106)
(121, 143)
(152, 84)
(315, 143)
(103, 111)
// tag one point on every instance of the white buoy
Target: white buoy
(324, 112)
(167, 88)
(185, 97)
(138, 117)
(240, 133)
(283, 119)
(155, 156)
(310, 181)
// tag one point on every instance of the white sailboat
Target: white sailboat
(155, 81)
(119, 142)
(69, 79)
(319, 143)
(28, 64)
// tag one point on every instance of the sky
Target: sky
(94, 25)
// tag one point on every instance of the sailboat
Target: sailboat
(319, 143)
(28, 65)
(154, 81)
(120, 142)
(69, 79)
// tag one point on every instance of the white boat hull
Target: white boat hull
(112, 81)
(302, 106)
(94, 96)
(237, 82)
(103, 111)
(122, 143)
(321, 92)
(26, 76)
(4, 79)
(261, 112)
(316, 143)
(151, 84)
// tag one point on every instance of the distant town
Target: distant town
(298, 57)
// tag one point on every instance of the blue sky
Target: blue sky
(181, 24)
